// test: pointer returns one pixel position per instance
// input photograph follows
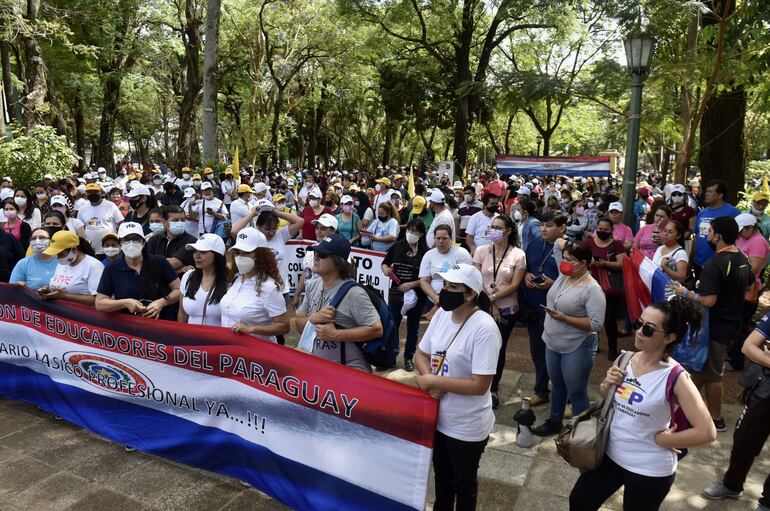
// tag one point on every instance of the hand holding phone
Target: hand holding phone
(548, 309)
(539, 279)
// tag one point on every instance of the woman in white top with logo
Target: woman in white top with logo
(440, 258)
(203, 288)
(254, 303)
(643, 447)
(457, 359)
(77, 274)
(671, 256)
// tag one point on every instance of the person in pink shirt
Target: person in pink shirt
(751, 242)
(648, 239)
(620, 231)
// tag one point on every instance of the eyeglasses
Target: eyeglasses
(647, 329)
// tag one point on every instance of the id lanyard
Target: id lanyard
(442, 354)
(495, 269)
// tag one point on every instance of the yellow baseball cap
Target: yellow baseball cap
(244, 189)
(760, 196)
(93, 187)
(418, 204)
(196, 176)
(384, 181)
(278, 197)
(61, 241)
(208, 170)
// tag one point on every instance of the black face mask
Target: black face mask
(451, 300)
(712, 245)
(135, 203)
(603, 235)
(94, 197)
(382, 218)
(493, 209)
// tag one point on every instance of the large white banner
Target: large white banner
(368, 264)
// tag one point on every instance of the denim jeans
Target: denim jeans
(412, 322)
(537, 352)
(505, 325)
(569, 374)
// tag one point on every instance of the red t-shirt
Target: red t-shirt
(308, 229)
(684, 215)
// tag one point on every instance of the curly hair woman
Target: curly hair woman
(644, 441)
(254, 303)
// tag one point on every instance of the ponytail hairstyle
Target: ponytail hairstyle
(683, 317)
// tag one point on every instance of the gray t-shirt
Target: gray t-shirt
(354, 310)
(586, 300)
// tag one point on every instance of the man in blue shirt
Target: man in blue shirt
(714, 198)
(541, 273)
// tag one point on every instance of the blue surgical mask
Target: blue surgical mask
(156, 227)
(176, 228)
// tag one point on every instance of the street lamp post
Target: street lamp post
(539, 141)
(638, 55)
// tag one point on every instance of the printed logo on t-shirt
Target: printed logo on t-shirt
(94, 223)
(435, 362)
(628, 391)
(703, 227)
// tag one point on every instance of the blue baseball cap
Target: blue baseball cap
(336, 244)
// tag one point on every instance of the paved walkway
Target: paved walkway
(48, 464)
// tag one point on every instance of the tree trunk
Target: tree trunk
(388, 139)
(80, 135)
(104, 151)
(210, 81)
(166, 136)
(5, 64)
(275, 128)
(192, 86)
(35, 108)
(721, 140)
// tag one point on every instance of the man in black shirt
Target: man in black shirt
(170, 243)
(722, 287)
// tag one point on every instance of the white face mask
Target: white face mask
(39, 245)
(314, 203)
(132, 249)
(677, 200)
(244, 264)
(111, 251)
(468, 197)
(69, 258)
(412, 238)
(20, 201)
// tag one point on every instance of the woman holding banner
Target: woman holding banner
(254, 304)
(77, 273)
(203, 288)
(36, 270)
(457, 360)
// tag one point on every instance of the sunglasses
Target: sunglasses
(647, 329)
(322, 256)
(677, 194)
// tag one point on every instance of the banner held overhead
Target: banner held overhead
(572, 166)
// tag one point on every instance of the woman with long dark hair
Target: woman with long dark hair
(503, 266)
(457, 360)
(28, 211)
(14, 225)
(402, 266)
(643, 445)
(254, 304)
(203, 288)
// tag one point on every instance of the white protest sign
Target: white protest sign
(368, 265)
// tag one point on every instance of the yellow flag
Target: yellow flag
(236, 164)
(765, 187)
(410, 186)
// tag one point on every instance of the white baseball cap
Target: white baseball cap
(523, 190)
(326, 220)
(138, 189)
(315, 192)
(58, 200)
(6, 193)
(48, 176)
(437, 197)
(249, 239)
(678, 188)
(189, 192)
(260, 188)
(346, 199)
(7, 178)
(745, 220)
(264, 205)
(463, 273)
(290, 182)
(616, 206)
(206, 185)
(208, 242)
(128, 228)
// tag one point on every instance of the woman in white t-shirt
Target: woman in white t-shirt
(384, 231)
(203, 288)
(457, 359)
(644, 442)
(77, 274)
(440, 258)
(670, 256)
(503, 265)
(254, 303)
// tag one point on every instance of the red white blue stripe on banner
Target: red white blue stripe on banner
(573, 166)
(308, 432)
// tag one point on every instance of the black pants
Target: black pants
(611, 322)
(505, 325)
(455, 464)
(535, 326)
(640, 493)
(734, 353)
(751, 431)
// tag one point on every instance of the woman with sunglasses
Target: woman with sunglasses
(575, 307)
(681, 211)
(643, 446)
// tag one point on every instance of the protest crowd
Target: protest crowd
(474, 258)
